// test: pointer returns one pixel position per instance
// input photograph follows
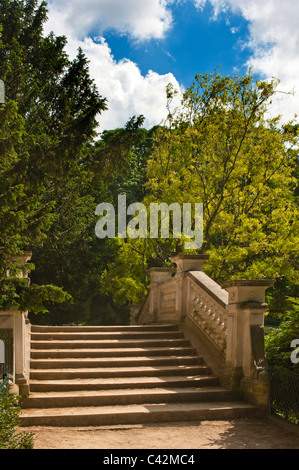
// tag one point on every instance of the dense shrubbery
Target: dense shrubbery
(278, 340)
(9, 420)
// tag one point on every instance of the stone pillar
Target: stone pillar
(157, 275)
(18, 323)
(6, 336)
(185, 263)
(246, 365)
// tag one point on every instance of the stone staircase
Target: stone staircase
(89, 376)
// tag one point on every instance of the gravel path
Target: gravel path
(238, 434)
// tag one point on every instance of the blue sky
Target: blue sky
(195, 44)
(136, 47)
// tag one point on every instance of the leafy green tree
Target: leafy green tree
(220, 149)
(72, 256)
(48, 119)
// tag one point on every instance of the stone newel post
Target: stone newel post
(246, 366)
(185, 264)
(15, 327)
(157, 275)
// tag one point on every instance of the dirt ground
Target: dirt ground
(238, 434)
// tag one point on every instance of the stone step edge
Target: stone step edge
(154, 327)
(112, 344)
(121, 383)
(124, 391)
(137, 369)
(108, 334)
(108, 361)
(88, 416)
(127, 380)
(118, 372)
(126, 397)
(129, 351)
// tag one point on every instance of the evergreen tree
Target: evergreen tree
(48, 118)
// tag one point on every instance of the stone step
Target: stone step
(127, 397)
(128, 328)
(136, 414)
(122, 383)
(145, 371)
(87, 344)
(102, 336)
(113, 362)
(86, 376)
(115, 352)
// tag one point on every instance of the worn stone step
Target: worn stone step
(86, 376)
(102, 336)
(43, 374)
(122, 383)
(136, 414)
(128, 328)
(127, 397)
(114, 362)
(115, 352)
(103, 344)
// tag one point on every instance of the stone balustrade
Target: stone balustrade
(227, 321)
(207, 307)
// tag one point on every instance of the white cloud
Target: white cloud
(274, 40)
(128, 92)
(140, 19)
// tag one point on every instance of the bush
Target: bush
(278, 340)
(9, 420)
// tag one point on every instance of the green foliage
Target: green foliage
(122, 276)
(220, 149)
(16, 294)
(278, 340)
(9, 419)
(35, 297)
(48, 120)
(72, 256)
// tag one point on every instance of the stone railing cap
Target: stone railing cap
(248, 282)
(191, 257)
(161, 270)
(23, 258)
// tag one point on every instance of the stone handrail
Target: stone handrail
(144, 317)
(227, 320)
(207, 307)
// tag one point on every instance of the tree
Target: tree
(72, 256)
(220, 149)
(48, 119)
